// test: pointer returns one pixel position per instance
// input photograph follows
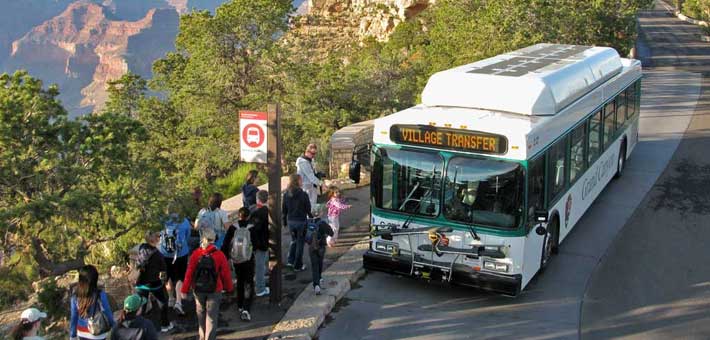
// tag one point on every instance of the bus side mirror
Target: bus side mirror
(540, 216)
(354, 171)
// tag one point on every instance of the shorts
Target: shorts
(176, 271)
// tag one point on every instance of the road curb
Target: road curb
(687, 19)
(308, 312)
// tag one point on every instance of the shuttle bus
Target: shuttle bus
(480, 183)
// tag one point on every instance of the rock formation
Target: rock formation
(374, 18)
(83, 48)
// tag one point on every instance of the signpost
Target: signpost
(274, 175)
(260, 142)
(253, 136)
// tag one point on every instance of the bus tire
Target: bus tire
(621, 162)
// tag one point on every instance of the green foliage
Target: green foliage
(224, 62)
(67, 187)
(14, 287)
(697, 9)
(231, 184)
(51, 300)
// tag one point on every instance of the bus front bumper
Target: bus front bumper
(462, 275)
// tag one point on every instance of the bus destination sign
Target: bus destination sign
(451, 139)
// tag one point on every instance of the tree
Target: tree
(224, 62)
(68, 187)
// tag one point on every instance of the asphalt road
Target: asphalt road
(635, 265)
(654, 282)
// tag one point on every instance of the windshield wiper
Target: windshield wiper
(406, 223)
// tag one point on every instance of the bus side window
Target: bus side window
(594, 137)
(536, 187)
(608, 124)
(631, 101)
(576, 155)
(620, 110)
(557, 159)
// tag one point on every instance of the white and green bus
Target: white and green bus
(480, 183)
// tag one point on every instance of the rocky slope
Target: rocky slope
(337, 25)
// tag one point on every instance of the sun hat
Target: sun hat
(33, 314)
(133, 302)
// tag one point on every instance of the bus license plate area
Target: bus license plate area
(423, 271)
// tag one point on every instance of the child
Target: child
(335, 207)
(317, 247)
(244, 271)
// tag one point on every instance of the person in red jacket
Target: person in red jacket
(208, 275)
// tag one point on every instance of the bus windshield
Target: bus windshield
(485, 192)
(407, 181)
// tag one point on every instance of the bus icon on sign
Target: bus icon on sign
(253, 136)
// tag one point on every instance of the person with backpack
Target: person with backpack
(316, 236)
(208, 275)
(260, 241)
(91, 315)
(152, 276)
(130, 324)
(214, 217)
(30, 323)
(239, 249)
(175, 250)
(249, 189)
(295, 210)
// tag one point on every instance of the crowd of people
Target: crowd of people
(207, 258)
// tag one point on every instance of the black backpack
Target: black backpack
(124, 333)
(206, 274)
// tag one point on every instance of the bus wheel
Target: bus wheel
(622, 160)
(551, 241)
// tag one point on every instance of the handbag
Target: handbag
(97, 323)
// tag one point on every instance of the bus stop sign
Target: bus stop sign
(252, 139)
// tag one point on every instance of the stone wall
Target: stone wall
(342, 144)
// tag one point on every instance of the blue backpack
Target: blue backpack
(313, 235)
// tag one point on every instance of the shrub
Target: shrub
(231, 184)
(14, 287)
(697, 9)
(51, 298)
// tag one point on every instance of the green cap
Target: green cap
(133, 302)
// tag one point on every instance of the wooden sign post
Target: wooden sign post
(274, 174)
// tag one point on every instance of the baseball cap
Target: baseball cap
(133, 302)
(33, 314)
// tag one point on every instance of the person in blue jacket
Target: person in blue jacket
(175, 250)
(87, 300)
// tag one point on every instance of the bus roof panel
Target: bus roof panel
(537, 80)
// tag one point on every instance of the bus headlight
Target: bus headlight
(495, 266)
(387, 247)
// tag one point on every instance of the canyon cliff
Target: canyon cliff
(81, 45)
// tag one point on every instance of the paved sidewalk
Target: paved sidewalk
(354, 224)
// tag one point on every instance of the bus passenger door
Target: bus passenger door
(532, 253)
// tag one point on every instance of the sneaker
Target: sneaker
(317, 290)
(245, 315)
(264, 292)
(167, 328)
(290, 265)
(178, 309)
(301, 269)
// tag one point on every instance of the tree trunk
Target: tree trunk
(47, 267)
